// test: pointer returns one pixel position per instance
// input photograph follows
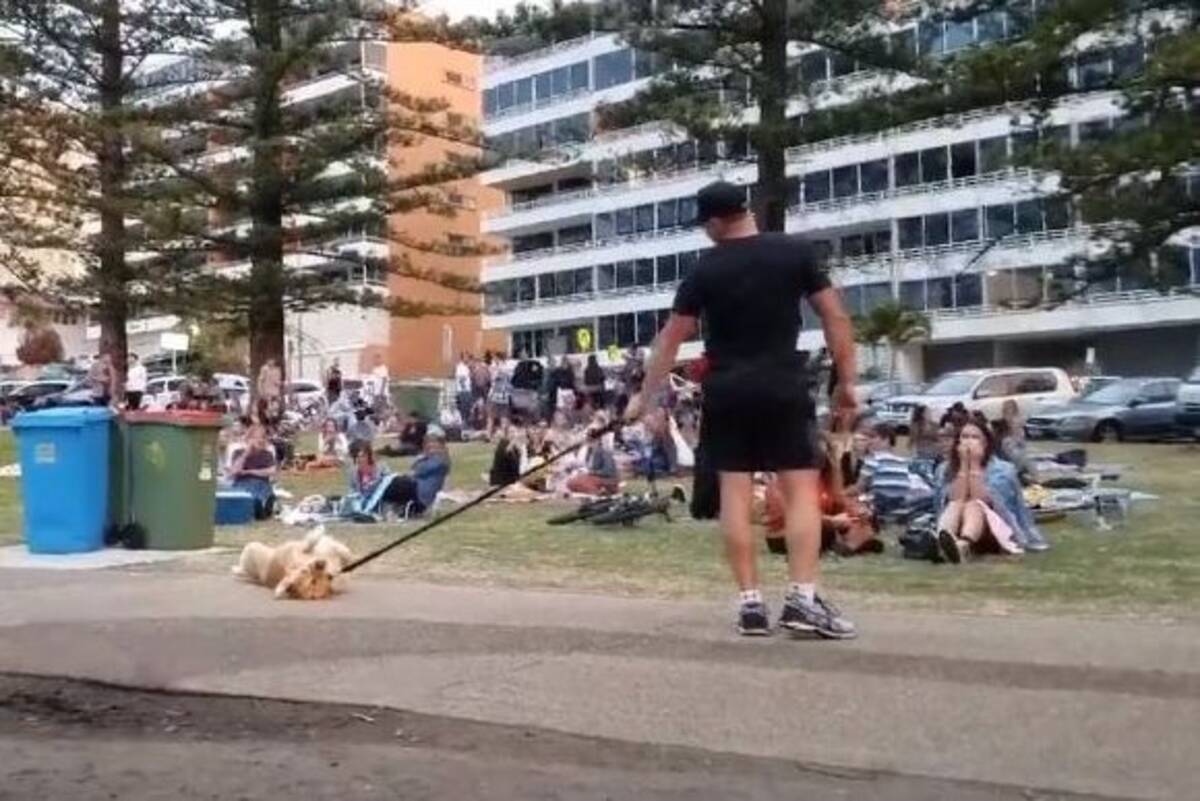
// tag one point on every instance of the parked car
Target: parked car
(984, 391)
(1187, 405)
(876, 393)
(1090, 383)
(24, 398)
(78, 394)
(305, 393)
(161, 392)
(1132, 408)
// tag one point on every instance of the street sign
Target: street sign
(174, 342)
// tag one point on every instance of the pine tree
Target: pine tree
(69, 114)
(283, 179)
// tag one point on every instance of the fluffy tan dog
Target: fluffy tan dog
(301, 569)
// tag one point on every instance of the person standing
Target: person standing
(462, 389)
(759, 414)
(333, 383)
(102, 380)
(380, 377)
(135, 383)
(270, 388)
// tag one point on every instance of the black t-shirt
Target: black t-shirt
(748, 291)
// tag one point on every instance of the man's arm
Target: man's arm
(679, 329)
(839, 338)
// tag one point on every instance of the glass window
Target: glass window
(908, 169)
(647, 327)
(912, 295)
(644, 272)
(816, 187)
(579, 76)
(1020, 17)
(840, 64)
(1092, 70)
(852, 299)
(572, 129)
(687, 211)
(852, 246)
(668, 214)
(526, 289)
(990, 26)
(489, 101)
(708, 151)
(911, 234)
(606, 332)
(575, 234)
(565, 283)
(687, 263)
(643, 63)
(932, 39)
(937, 229)
(524, 91)
(934, 165)
(606, 277)
(541, 85)
(940, 293)
(583, 281)
(645, 218)
(560, 80)
(995, 386)
(904, 43)
(968, 290)
(506, 95)
(626, 330)
(605, 226)
(959, 34)
(1024, 145)
(876, 295)
(668, 269)
(614, 68)
(845, 181)
(1128, 60)
(814, 67)
(1034, 383)
(1029, 217)
(1094, 131)
(624, 222)
(1057, 211)
(964, 225)
(962, 160)
(874, 176)
(624, 274)
(546, 286)
(1058, 136)
(999, 221)
(993, 154)
(878, 241)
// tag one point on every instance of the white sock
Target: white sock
(750, 597)
(806, 591)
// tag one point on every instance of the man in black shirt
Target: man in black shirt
(758, 411)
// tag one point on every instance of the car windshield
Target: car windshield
(1120, 392)
(953, 384)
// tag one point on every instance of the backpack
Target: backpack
(919, 540)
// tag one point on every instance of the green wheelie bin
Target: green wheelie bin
(172, 477)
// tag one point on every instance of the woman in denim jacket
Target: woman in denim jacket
(980, 503)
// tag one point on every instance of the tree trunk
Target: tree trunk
(770, 137)
(891, 362)
(113, 299)
(266, 316)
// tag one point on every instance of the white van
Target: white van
(984, 391)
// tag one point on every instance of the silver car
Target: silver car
(1132, 408)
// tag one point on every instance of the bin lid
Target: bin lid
(183, 418)
(63, 417)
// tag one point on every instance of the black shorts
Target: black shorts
(759, 419)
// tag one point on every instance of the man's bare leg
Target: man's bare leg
(802, 524)
(737, 500)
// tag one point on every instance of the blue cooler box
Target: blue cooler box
(64, 477)
(234, 508)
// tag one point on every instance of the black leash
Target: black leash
(491, 493)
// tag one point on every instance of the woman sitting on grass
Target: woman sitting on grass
(600, 475)
(375, 488)
(253, 470)
(333, 448)
(980, 503)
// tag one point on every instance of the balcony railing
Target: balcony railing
(1087, 299)
(975, 245)
(580, 297)
(537, 105)
(499, 62)
(591, 244)
(834, 204)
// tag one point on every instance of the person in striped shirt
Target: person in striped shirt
(885, 475)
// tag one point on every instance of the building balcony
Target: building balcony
(543, 311)
(591, 252)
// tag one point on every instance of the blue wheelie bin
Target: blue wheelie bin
(64, 477)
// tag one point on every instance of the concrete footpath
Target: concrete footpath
(1110, 708)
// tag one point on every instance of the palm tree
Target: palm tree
(894, 325)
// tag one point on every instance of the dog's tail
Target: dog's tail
(313, 537)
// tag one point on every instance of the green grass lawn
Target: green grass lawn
(1150, 566)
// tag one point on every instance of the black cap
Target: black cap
(720, 199)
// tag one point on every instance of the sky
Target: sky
(462, 8)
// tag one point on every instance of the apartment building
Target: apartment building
(601, 225)
(357, 336)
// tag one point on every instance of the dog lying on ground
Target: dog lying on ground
(302, 569)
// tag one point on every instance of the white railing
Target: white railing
(1087, 299)
(834, 204)
(500, 62)
(975, 245)
(582, 297)
(591, 244)
(536, 105)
